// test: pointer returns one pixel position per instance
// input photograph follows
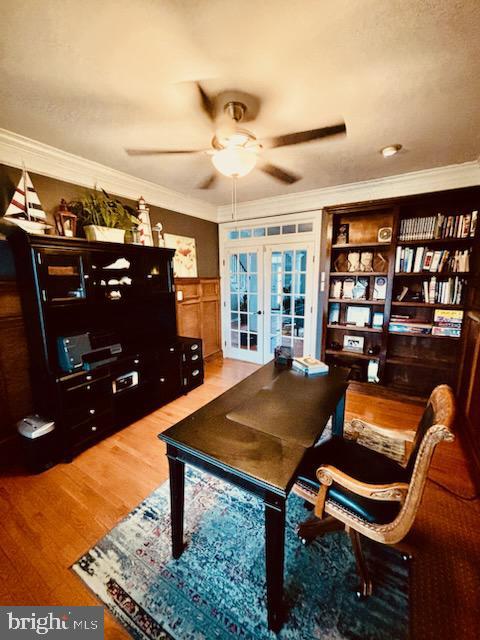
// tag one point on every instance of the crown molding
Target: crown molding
(17, 150)
(405, 184)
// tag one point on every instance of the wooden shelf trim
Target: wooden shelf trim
(437, 241)
(419, 362)
(423, 274)
(421, 335)
(351, 301)
(350, 354)
(434, 305)
(358, 273)
(348, 327)
(359, 245)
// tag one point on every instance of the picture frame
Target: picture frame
(377, 320)
(334, 313)
(358, 316)
(347, 291)
(380, 288)
(336, 288)
(360, 289)
(185, 258)
(354, 344)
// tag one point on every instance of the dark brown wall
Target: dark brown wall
(51, 191)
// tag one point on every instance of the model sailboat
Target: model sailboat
(25, 208)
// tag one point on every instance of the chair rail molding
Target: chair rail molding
(453, 176)
(17, 150)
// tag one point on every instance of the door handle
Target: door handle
(259, 313)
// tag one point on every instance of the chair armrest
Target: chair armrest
(327, 475)
(357, 426)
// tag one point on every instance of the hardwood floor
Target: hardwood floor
(48, 521)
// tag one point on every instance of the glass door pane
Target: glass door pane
(244, 305)
(289, 271)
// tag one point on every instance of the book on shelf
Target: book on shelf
(409, 327)
(447, 322)
(439, 226)
(434, 291)
(420, 259)
(309, 366)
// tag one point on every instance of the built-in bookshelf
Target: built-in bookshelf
(399, 276)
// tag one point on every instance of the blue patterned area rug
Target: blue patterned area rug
(217, 591)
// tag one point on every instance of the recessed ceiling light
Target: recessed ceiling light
(391, 150)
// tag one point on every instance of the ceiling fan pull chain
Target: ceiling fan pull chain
(234, 198)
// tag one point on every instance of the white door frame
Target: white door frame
(309, 344)
(226, 243)
(236, 352)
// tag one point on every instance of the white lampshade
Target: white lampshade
(235, 161)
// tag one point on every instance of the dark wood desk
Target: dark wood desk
(255, 436)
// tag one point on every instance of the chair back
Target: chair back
(440, 411)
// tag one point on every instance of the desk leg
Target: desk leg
(338, 418)
(274, 557)
(177, 496)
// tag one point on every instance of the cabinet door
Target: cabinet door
(62, 275)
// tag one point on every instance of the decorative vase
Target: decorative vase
(104, 234)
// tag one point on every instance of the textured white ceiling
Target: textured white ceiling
(93, 77)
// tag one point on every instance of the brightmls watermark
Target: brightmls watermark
(58, 623)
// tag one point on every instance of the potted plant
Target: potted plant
(103, 217)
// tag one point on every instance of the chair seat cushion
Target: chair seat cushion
(360, 463)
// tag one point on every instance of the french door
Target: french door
(244, 316)
(269, 301)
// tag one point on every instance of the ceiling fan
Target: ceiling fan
(235, 150)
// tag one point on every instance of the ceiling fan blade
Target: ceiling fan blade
(306, 136)
(208, 182)
(207, 104)
(158, 152)
(279, 174)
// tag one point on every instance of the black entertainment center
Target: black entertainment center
(102, 334)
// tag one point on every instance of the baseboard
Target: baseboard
(214, 356)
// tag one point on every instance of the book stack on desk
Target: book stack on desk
(310, 366)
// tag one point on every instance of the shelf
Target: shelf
(349, 327)
(350, 245)
(348, 301)
(419, 362)
(437, 241)
(434, 305)
(358, 273)
(350, 354)
(422, 335)
(429, 274)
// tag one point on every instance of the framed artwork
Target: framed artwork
(353, 343)
(358, 316)
(185, 258)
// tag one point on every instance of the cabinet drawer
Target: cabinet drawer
(92, 428)
(95, 405)
(87, 395)
(192, 377)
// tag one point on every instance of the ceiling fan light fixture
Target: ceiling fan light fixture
(391, 150)
(235, 162)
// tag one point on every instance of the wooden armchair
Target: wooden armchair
(367, 493)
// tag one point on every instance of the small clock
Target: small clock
(385, 234)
